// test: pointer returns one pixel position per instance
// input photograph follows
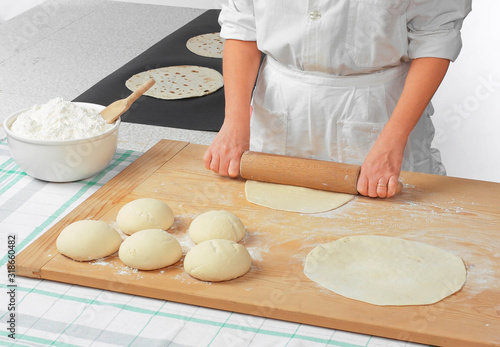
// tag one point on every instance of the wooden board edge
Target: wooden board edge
(267, 311)
(30, 260)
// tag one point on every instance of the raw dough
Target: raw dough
(294, 199)
(143, 214)
(150, 249)
(385, 270)
(206, 45)
(178, 82)
(217, 260)
(216, 225)
(86, 240)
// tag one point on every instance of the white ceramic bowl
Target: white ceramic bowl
(62, 161)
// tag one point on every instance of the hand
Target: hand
(380, 171)
(224, 154)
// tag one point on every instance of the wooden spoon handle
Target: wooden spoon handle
(141, 90)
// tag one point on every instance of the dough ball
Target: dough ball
(143, 214)
(217, 260)
(216, 225)
(150, 249)
(86, 240)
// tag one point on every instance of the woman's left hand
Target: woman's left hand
(380, 171)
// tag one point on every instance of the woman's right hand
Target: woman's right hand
(240, 64)
(224, 154)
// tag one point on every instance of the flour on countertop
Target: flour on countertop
(59, 120)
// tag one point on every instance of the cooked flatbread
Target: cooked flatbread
(178, 82)
(206, 45)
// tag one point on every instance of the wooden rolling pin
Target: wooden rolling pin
(309, 173)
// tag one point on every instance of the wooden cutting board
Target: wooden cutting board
(457, 215)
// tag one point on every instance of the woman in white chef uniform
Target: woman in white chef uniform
(346, 81)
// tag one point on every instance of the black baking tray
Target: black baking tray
(200, 113)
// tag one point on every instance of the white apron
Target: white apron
(337, 118)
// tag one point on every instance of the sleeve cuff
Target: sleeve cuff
(237, 25)
(444, 44)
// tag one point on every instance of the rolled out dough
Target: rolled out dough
(383, 270)
(294, 199)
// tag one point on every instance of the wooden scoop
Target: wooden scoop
(117, 108)
(309, 173)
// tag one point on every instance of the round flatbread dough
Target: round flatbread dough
(178, 82)
(150, 249)
(217, 260)
(143, 214)
(385, 270)
(86, 240)
(216, 225)
(292, 198)
(207, 45)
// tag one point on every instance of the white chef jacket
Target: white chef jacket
(334, 71)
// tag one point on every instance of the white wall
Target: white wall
(467, 117)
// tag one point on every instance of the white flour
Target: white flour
(59, 120)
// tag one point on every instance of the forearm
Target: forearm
(241, 62)
(424, 77)
(381, 168)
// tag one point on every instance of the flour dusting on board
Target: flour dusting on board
(256, 245)
(120, 269)
(212, 193)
